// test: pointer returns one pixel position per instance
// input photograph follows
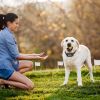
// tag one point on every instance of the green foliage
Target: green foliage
(47, 87)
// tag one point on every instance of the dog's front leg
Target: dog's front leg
(79, 78)
(67, 72)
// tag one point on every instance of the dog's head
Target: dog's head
(70, 44)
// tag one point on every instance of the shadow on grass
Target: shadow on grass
(90, 91)
(6, 93)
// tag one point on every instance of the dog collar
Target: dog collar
(70, 54)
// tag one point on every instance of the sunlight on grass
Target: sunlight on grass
(47, 87)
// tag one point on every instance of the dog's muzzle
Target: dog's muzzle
(69, 47)
(69, 54)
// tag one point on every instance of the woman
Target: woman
(11, 68)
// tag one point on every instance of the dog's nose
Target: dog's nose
(69, 44)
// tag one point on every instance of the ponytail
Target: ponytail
(2, 21)
(9, 17)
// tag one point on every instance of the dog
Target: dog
(74, 55)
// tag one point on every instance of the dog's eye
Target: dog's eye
(66, 40)
(72, 40)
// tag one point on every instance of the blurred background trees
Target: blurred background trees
(44, 25)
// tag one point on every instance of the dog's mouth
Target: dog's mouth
(69, 49)
(69, 52)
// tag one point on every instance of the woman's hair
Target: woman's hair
(9, 17)
(2, 21)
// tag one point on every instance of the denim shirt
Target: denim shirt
(8, 48)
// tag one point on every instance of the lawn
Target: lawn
(47, 87)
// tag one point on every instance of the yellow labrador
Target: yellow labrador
(75, 54)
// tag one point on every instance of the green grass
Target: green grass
(47, 87)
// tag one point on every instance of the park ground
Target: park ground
(47, 86)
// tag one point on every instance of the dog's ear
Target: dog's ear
(62, 42)
(77, 43)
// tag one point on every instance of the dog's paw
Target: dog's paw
(63, 84)
(80, 84)
(93, 81)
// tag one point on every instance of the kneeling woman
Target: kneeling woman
(11, 68)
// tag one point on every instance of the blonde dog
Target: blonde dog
(75, 54)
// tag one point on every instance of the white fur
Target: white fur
(82, 54)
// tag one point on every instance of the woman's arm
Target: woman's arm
(31, 57)
(34, 54)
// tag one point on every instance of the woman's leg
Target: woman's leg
(25, 66)
(18, 80)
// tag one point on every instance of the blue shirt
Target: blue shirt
(8, 49)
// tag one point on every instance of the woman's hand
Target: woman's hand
(41, 56)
